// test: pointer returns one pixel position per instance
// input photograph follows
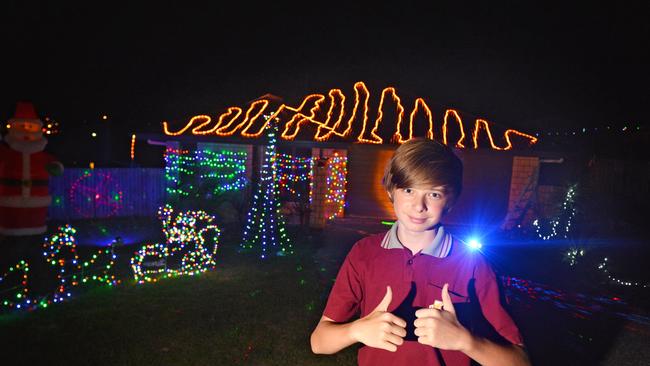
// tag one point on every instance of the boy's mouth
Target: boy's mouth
(416, 220)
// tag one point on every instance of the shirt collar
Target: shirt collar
(439, 247)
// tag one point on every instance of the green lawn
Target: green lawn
(245, 312)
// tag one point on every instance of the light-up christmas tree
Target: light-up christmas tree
(265, 226)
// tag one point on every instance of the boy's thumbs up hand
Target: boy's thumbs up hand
(385, 302)
(380, 329)
(447, 305)
(441, 328)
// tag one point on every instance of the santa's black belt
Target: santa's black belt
(20, 182)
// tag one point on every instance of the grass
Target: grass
(253, 312)
(245, 312)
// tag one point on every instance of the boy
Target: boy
(399, 279)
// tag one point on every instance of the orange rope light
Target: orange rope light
(427, 111)
(459, 144)
(326, 125)
(179, 132)
(358, 86)
(346, 132)
(299, 118)
(260, 130)
(248, 120)
(132, 146)
(507, 136)
(196, 130)
(380, 113)
(227, 124)
(486, 126)
(375, 138)
(223, 131)
(236, 110)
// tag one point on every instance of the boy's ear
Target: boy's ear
(390, 196)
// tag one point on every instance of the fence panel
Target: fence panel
(106, 192)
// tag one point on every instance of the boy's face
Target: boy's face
(419, 208)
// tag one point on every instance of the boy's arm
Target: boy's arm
(379, 329)
(488, 353)
(330, 337)
(441, 329)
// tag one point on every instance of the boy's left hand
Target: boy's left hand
(441, 328)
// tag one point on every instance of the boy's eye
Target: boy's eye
(435, 195)
(408, 190)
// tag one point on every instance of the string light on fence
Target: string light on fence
(602, 266)
(628, 129)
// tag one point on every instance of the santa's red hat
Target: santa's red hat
(25, 112)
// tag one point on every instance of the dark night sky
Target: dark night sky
(527, 66)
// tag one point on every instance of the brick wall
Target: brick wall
(549, 200)
(523, 183)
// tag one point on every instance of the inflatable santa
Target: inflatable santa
(24, 174)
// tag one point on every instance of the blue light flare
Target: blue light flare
(474, 244)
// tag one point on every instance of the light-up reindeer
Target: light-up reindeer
(59, 251)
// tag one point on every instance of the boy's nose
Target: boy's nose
(420, 205)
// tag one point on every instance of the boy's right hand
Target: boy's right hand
(380, 329)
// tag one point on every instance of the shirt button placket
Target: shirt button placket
(408, 270)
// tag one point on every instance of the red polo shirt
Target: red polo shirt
(416, 281)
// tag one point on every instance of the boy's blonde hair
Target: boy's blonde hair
(427, 162)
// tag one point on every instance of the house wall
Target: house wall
(494, 184)
(365, 194)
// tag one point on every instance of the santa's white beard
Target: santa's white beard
(25, 146)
